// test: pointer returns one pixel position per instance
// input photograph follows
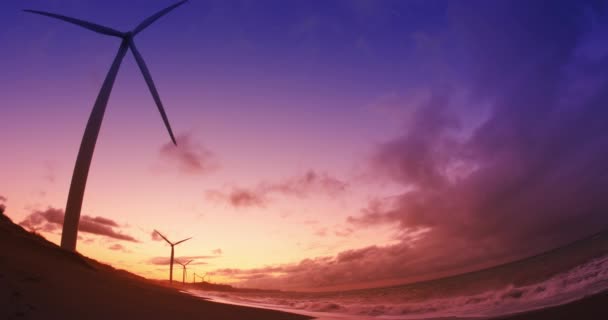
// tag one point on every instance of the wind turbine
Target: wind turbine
(184, 270)
(172, 251)
(87, 146)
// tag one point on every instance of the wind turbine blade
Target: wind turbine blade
(163, 237)
(146, 73)
(144, 24)
(181, 241)
(188, 262)
(85, 24)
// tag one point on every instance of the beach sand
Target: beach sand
(39, 280)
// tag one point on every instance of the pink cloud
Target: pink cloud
(117, 247)
(2, 206)
(307, 183)
(51, 220)
(343, 232)
(155, 236)
(298, 186)
(321, 232)
(246, 198)
(189, 156)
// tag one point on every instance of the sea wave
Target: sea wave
(391, 303)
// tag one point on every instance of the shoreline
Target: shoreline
(588, 308)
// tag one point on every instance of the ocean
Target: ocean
(553, 278)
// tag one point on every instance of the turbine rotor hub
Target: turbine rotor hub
(128, 35)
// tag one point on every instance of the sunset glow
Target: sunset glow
(321, 144)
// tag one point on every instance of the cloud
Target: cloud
(321, 232)
(502, 159)
(239, 197)
(343, 232)
(217, 251)
(531, 172)
(51, 220)
(309, 182)
(2, 206)
(50, 174)
(154, 236)
(161, 261)
(118, 247)
(189, 156)
(298, 186)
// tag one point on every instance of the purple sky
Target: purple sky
(323, 143)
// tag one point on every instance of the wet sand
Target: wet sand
(589, 308)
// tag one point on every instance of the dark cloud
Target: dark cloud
(3, 198)
(298, 186)
(528, 177)
(190, 156)
(103, 221)
(51, 220)
(167, 260)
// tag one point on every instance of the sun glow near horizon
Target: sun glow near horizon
(320, 144)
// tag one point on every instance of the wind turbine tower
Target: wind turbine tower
(172, 253)
(69, 234)
(184, 270)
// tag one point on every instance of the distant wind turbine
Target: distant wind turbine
(184, 270)
(172, 251)
(201, 277)
(89, 139)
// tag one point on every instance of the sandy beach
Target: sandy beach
(38, 280)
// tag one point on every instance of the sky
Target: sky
(321, 144)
